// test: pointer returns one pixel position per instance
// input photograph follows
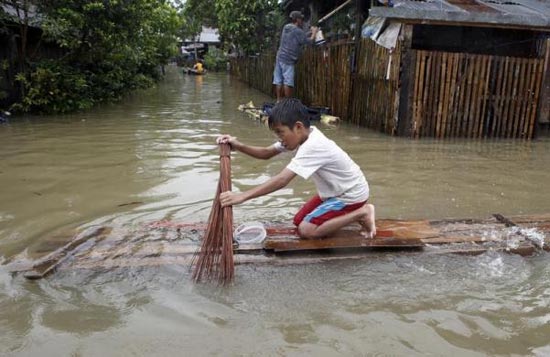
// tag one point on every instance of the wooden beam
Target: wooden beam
(469, 24)
(406, 87)
(292, 244)
(544, 98)
(50, 262)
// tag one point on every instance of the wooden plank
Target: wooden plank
(501, 96)
(417, 85)
(458, 239)
(436, 98)
(475, 97)
(441, 94)
(424, 119)
(500, 62)
(461, 103)
(465, 122)
(526, 99)
(337, 242)
(483, 117)
(455, 90)
(407, 83)
(512, 93)
(529, 112)
(508, 98)
(544, 106)
(447, 100)
(97, 248)
(50, 262)
(519, 98)
(538, 85)
(479, 95)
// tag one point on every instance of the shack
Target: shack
(199, 44)
(437, 68)
(471, 68)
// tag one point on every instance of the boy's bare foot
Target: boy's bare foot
(367, 220)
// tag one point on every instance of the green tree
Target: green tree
(202, 11)
(19, 12)
(251, 26)
(109, 47)
(192, 20)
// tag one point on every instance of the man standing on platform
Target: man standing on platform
(293, 37)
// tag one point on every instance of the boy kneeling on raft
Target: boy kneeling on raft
(342, 190)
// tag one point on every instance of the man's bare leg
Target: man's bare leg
(287, 91)
(363, 215)
(278, 92)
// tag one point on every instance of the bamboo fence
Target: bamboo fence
(323, 77)
(475, 96)
(375, 87)
(450, 95)
(256, 71)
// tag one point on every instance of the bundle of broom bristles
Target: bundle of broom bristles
(214, 259)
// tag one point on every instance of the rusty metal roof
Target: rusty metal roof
(499, 13)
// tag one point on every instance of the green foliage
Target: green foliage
(110, 47)
(191, 26)
(215, 60)
(251, 26)
(201, 11)
(53, 87)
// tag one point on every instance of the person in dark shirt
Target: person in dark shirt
(293, 37)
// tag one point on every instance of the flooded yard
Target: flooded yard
(153, 157)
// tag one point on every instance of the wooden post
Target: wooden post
(406, 89)
(544, 99)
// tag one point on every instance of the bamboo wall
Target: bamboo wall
(323, 77)
(255, 71)
(375, 87)
(475, 96)
(447, 95)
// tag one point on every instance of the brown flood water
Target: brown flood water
(156, 150)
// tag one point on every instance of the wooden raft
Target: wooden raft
(166, 243)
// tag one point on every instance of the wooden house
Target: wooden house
(470, 68)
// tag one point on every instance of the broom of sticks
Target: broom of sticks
(214, 259)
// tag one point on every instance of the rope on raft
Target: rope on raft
(214, 259)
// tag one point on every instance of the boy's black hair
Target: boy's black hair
(287, 112)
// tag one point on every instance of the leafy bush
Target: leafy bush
(215, 60)
(53, 88)
(108, 48)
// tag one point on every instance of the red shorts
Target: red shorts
(317, 211)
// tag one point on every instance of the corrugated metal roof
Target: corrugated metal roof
(209, 35)
(501, 13)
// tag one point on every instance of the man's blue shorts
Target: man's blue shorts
(283, 74)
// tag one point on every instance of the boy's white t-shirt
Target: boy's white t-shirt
(334, 173)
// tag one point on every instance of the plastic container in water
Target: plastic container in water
(250, 232)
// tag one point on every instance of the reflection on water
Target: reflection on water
(152, 157)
